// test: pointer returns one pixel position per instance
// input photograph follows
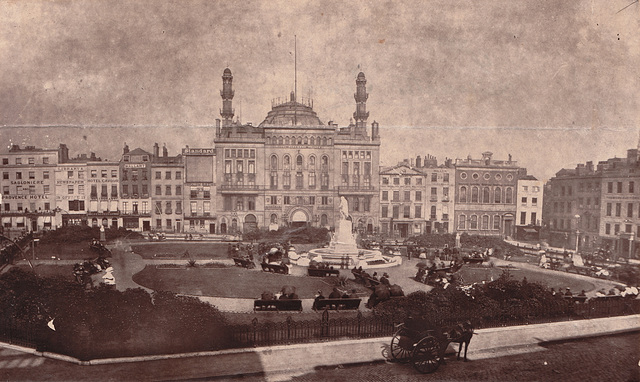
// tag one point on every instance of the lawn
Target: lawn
(46, 270)
(168, 250)
(552, 279)
(232, 282)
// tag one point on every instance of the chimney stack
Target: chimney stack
(165, 152)
(156, 150)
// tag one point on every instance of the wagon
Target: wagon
(424, 348)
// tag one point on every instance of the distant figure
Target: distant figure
(335, 293)
(319, 296)
(568, 292)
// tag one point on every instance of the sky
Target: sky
(553, 83)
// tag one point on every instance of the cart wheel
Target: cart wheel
(401, 347)
(426, 356)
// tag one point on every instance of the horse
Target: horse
(461, 334)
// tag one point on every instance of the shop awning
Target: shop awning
(6, 219)
(47, 219)
(530, 230)
(20, 219)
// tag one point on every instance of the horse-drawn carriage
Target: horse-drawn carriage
(425, 347)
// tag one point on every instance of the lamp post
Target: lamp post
(577, 232)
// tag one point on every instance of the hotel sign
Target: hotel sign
(199, 151)
(135, 165)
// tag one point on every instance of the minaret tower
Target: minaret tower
(361, 96)
(227, 95)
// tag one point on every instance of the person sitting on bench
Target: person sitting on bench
(335, 293)
(319, 297)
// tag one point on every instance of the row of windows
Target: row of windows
(486, 176)
(618, 210)
(168, 207)
(524, 201)
(134, 175)
(311, 162)
(523, 218)
(498, 196)
(586, 222)
(406, 212)
(286, 180)
(418, 179)
(356, 154)
(167, 190)
(474, 222)
(31, 190)
(240, 153)
(355, 166)
(628, 228)
(618, 187)
(313, 141)
(239, 167)
(324, 220)
(134, 189)
(19, 207)
(298, 200)
(590, 187)
(417, 195)
(30, 160)
(30, 175)
(167, 175)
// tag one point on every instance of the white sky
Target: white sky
(553, 83)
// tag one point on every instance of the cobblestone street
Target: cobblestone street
(613, 358)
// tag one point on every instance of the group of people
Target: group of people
(286, 293)
(319, 265)
(622, 291)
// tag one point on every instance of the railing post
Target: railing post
(359, 317)
(324, 326)
(254, 323)
(289, 321)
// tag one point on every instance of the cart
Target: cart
(425, 348)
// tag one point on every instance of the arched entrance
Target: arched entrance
(299, 218)
(223, 226)
(250, 223)
(234, 225)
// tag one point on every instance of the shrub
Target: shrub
(104, 322)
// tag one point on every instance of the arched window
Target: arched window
(299, 140)
(498, 195)
(287, 162)
(508, 197)
(312, 162)
(485, 222)
(274, 219)
(323, 220)
(474, 194)
(463, 195)
(325, 162)
(496, 222)
(234, 225)
(299, 161)
(473, 222)
(329, 141)
(268, 140)
(324, 141)
(306, 140)
(313, 141)
(286, 140)
(274, 163)
(279, 140)
(462, 221)
(485, 195)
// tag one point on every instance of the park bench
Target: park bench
(337, 304)
(277, 305)
(322, 272)
(245, 263)
(275, 268)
